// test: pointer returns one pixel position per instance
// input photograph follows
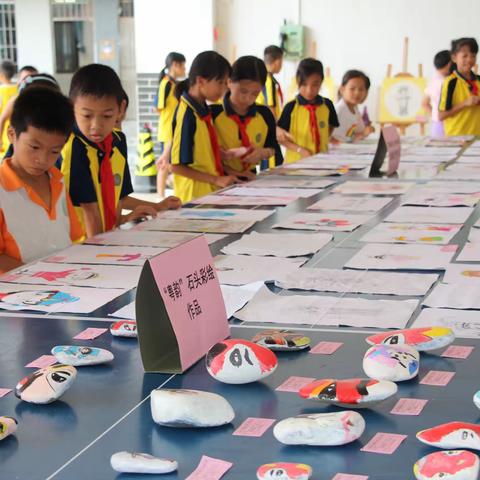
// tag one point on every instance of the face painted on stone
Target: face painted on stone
(402, 360)
(47, 384)
(240, 361)
(281, 340)
(426, 338)
(450, 464)
(452, 435)
(284, 471)
(124, 328)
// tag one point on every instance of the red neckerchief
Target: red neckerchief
(280, 93)
(214, 142)
(473, 86)
(107, 182)
(242, 128)
(312, 109)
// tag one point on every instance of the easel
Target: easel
(402, 126)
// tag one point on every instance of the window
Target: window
(8, 37)
(125, 8)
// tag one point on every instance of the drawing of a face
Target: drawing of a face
(452, 435)
(124, 328)
(77, 352)
(423, 339)
(391, 362)
(240, 361)
(81, 275)
(47, 384)
(446, 465)
(281, 340)
(44, 298)
(8, 425)
(284, 471)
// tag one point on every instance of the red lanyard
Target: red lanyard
(280, 93)
(214, 142)
(312, 109)
(108, 184)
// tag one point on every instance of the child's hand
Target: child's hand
(304, 152)
(257, 155)
(226, 180)
(162, 162)
(246, 175)
(283, 136)
(471, 101)
(368, 130)
(141, 211)
(169, 203)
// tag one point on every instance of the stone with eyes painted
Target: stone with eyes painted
(80, 356)
(391, 362)
(240, 361)
(452, 435)
(124, 328)
(47, 384)
(422, 339)
(284, 471)
(8, 426)
(281, 340)
(447, 465)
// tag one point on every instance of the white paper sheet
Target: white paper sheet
(303, 172)
(426, 198)
(464, 323)
(326, 221)
(455, 215)
(272, 192)
(461, 296)
(272, 182)
(452, 187)
(427, 234)
(351, 204)
(470, 172)
(144, 238)
(127, 312)
(326, 310)
(278, 244)
(457, 273)
(348, 281)
(443, 151)
(236, 214)
(92, 254)
(53, 299)
(243, 269)
(432, 159)
(216, 199)
(195, 225)
(373, 188)
(382, 256)
(470, 253)
(235, 298)
(96, 276)
(321, 164)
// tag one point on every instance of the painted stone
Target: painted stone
(352, 392)
(240, 361)
(81, 356)
(320, 429)
(281, 340)
(284, 471)
(476, 399)
(47, 384)
(128, 462)
(8, 426)
(391, 362)
(422, 339)
(452, 435)
(190, 408)
(447, 465)
(124, 328)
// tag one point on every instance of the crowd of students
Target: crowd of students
(65, 174)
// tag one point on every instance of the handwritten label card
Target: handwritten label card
(210, 469)
(294, 384)
(90, 333)
(437, 378)
(254, 427)
(458, 351)
(42, 362)
(4, 391)
(409, 406)
(347, 476)
(326, 348)
(385, 443)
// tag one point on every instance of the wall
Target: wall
(34, 34)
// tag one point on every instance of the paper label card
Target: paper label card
(294, 384)
(4, 391)
(385, 443)
(180, 310)
(347, 476)
(326, 348)
(458, 351)
(409, 406)
(210, 469)
(437, 378)
(90, 333)
(42, 362)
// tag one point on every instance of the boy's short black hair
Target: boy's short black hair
(96, 80)
(42, 108)
(307, 67)
(469, 42)
(272, 53)
(28, 68)
(8, 69)
(442, 59)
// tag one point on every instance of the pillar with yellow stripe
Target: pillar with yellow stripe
(145, 169)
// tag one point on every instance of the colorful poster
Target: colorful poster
(380, 256)
(194, 225)
(96, 276)
(327, 221)
(217, 199)
(239, 214)
(456, 215)
(467, 273)
(423, 197)
(303, 172)
(272, 182)
(351, 203)
(66, 299)
(103, 255)
(271, 192)
(464, 323)
(428, 234)
(278, 244)
(373, 188)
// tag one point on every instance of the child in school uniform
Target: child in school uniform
(271, 94)
(353, 92)
(196, 158)
(37, 217)
(94, 159)
(443, 65)
(166, 105)
(239, 122)
(459, 107)
(8, 90)
(309, 118)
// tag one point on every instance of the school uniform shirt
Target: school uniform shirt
(255, 129)
(195, 145)
(271, 95)
(308, 123)
(166, 105)
(6, 93)
(351, 123)
(81, 162)
(30, 229)
(455, 90)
